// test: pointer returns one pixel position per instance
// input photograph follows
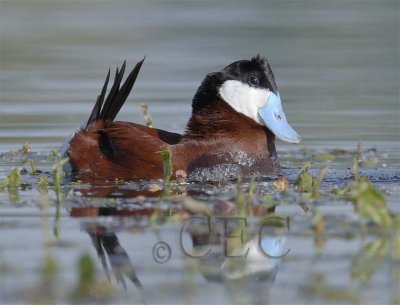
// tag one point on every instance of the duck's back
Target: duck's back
(109, 150)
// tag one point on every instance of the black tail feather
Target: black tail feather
(100, 99)
(123, 93)
(117, 95)
(114, 90)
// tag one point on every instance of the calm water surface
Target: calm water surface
(337, 68)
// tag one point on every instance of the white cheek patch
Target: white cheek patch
(244, 98)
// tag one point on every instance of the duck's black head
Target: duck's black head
(255, 72)
(249, 87)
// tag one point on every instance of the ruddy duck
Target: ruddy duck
(236, 114)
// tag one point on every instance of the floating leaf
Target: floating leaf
(304, 180)
(370, 203)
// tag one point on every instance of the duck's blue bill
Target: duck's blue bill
(274, 118)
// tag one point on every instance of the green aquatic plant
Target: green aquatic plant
(245, 200)
(44, 201)
(318, 180)
(12, 181)
(53, 156)
(309, 186)
(58, 176)
(19, 153)
(304, 179)
(167, 168)
(26, 148)
(11, 185)
(34, 170)
(33, 167)
(370, 202)
(357, 155)
(146, 114)
(43, 183)
(58, 172)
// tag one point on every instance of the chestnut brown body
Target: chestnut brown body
(110, 150)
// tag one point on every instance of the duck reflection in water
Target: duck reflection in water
(246, 268)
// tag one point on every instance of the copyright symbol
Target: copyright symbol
(161, 252)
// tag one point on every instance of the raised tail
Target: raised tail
(108, 109)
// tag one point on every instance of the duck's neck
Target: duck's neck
(213, 120)
(218, 120)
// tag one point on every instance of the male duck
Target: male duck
(236, 114)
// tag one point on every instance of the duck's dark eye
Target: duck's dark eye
(253, 81)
